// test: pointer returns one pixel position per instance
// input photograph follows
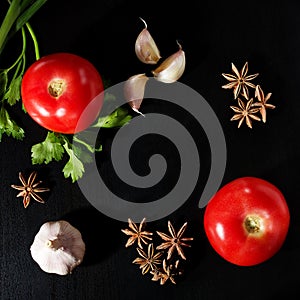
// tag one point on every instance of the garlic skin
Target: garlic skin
(172, 68)
(58, 247)
(145, 47)
(134, 90)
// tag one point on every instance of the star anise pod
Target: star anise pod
(175, 241)
(168, 272)
(244, 112)
(137, 233)
(239, 81)
(262, 102)
(148, 260)
(29, 189)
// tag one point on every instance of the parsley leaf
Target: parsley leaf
(117, 118)
(83, 155)
(13, 93)
(47, 150)
(9, 126)
(80, 150)
(74, 167)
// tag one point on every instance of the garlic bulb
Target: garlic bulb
(171, 69)
(134, 89)
(145, 47)
(58, 247)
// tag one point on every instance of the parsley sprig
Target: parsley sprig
(16, 18)
(78, 147)
(56, 146)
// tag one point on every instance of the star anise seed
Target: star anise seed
(168, 272)
(137, 233)
(175, 241)
(244, 112)
(262, 102)
(29, 189)
(240, 81)
(148, 261)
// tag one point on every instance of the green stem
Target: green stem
(22, 53)
(89, 147)
(25, 4)
(10, 17)
(35, 42)
(62, 138)
(24, 63)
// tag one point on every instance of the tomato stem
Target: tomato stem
(56, 87)
(252, 224)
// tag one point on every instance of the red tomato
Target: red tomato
(62, 92)
(247, 221)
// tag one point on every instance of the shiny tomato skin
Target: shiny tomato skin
(79, 83)
(247, 198)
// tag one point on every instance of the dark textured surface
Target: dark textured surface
(213, 34)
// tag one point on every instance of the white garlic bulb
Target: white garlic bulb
(58, 247)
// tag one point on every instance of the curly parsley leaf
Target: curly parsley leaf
(48, 150)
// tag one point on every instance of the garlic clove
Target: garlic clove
(134, 90)
(58, 247)
(172, 68)
(145, 47)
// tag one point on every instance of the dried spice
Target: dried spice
(262, 102)
(239, 81)
(137, 233)
(148, 261)
(175, 241)
(29, 189)
(168, 272)
(163, 265)
(244, 112)
(247, 109)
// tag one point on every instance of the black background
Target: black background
(213, 34)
